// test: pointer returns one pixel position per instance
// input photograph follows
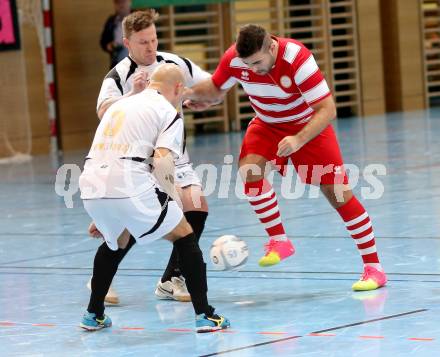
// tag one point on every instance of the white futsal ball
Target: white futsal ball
(229, 253)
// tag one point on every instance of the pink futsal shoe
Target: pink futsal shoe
(371, 279)
(276, 251)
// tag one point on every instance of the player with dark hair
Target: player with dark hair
(294, 108)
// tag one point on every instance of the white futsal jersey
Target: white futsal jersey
(119, 81)
(119, 162)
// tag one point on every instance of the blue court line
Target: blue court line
(250, 236)
(32, 234)
(217, 277)
(49, 256)
(29, 183)
(217, 271)
(25, 214)
(324, 213)
(79, 214)
(90, 250)
(315, 332)
(392, 190)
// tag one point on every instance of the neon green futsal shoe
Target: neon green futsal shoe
(371, 279)
(276, 251)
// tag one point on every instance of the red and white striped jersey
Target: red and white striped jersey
(284, 94)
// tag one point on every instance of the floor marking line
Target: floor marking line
(314, 332)
(271, 333)
(253, 236)
(44, 325)
(251, 346)
(132, 328)
(373, 320)
(49, 256)
(220, 277)
(216, 271)
(322, 334)
(216, 277)
(322, 213)
(420, 339)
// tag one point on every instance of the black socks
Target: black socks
(105, 266)
(193, 269)
(196, 220)
(191, 265)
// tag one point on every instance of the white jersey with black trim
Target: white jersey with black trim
(119, 162)
(119, 80)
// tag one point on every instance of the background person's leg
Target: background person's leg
(196, 212)
(172, 285)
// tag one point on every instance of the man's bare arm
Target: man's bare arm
(140, 81)
(325, 112)
(204, 92)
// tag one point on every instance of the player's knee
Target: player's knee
(251, 171)
(184, 227)
(181, 230)
(337, 195)
(123, 239)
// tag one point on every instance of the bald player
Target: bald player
(138, 137)
(130, 76)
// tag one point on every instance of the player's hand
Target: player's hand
(196, 106)
(288, 146)
(94, 232)
(140, 81)
(187, 93)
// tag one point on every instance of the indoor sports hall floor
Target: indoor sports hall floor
(302, 307)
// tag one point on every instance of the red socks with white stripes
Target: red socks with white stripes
(263, 200)
(359, 226)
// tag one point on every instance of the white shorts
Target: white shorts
(147, 217)
(186, 176)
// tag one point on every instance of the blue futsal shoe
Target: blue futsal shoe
(90, 322)
(211, 324)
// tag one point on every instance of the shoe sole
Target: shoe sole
(164, 295)
(180, 299)
(91, 329)
(275, 262)
(367, 289)
(210, 329)
(264, 265)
